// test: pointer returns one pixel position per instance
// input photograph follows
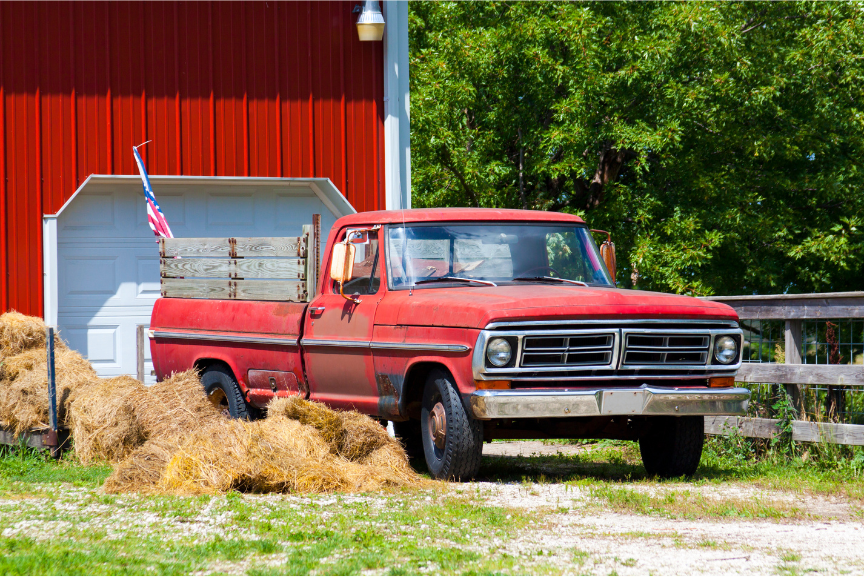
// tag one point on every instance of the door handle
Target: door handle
(313, 310)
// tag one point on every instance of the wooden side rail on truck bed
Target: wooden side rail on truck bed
(250, 268)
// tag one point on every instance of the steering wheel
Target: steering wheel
(540, 268)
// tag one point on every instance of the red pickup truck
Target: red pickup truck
(467, 325)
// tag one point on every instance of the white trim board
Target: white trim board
(397, 109)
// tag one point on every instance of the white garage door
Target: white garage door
(106, 264)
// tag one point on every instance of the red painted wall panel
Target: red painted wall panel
(222, 89)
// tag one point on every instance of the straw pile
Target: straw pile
(169, 438)
(24, 374)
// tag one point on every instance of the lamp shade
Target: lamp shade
(370, 23)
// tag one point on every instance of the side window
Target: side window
(366, 278)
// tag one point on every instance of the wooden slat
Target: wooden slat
(265, 290)
(242, 247)
(849, 305)
(234, 268)
(196, 289)
(752, 428)
(31, 439)
(802, 431)
(801, 374)
(290, 246)
(272, 290)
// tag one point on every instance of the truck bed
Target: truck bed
(266, 361)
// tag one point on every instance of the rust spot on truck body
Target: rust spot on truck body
(388, 396)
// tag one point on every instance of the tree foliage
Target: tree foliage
(721, 144)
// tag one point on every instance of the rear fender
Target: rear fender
(202, 364)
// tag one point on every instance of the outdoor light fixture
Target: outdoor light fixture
(370, 23)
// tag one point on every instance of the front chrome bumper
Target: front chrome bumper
(653, 401)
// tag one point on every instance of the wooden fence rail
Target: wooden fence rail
(794, 309)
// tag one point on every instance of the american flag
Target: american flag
(154, 213)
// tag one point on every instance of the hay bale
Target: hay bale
(142, 470)
(19, 332)
(104, 422)
(326, 421)
(24, 402)
(361, 435)
(175, 408)
(392, 461)
(210, 460)
(274, 455)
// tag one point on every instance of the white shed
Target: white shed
(101, 260)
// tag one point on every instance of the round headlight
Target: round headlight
(725, 350)
(498, 352)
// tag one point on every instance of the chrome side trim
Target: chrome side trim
(421, 347)
(385, 345)
(331, 343)
(224, 338)
(613, 322)
(646, 401)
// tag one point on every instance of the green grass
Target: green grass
(399, 533)
(20, 467)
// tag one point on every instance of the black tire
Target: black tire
(457, 455)
(408, 433)
(672, 446)
(222, 390)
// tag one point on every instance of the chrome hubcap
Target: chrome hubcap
(220, 401)
(438, 425)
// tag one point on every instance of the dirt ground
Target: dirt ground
(825, 535)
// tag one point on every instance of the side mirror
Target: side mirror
(342, 264)
(607, 251)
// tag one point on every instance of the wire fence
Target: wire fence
(825, 342)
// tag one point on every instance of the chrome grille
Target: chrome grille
(567, 350)
(654, 348)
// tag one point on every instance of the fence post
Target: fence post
(794, 354)
(141, 335)
(54, 439)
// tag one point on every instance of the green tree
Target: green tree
(721, 144)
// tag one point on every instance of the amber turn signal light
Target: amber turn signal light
(492, 384)
(721, 382)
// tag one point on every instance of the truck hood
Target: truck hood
(476, 306)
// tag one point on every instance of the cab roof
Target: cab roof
(454, 214)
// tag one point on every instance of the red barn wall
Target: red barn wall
(222, 89)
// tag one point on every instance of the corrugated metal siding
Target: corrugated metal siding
(224, 89)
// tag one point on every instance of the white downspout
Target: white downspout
(397, 117)
(49, 268)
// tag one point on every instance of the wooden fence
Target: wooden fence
(793, 373)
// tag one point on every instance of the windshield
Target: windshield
(501, 253)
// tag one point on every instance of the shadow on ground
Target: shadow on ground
(613, 461)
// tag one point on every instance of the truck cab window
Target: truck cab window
(366, 278)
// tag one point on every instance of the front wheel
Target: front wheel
(672, 446)
(452, 440)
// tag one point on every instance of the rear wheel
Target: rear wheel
(224, 392)
(672, 446)
(452, 440)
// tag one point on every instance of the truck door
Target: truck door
(337, 333)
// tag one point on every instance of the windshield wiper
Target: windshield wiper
(454, 278)
(552, 278)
